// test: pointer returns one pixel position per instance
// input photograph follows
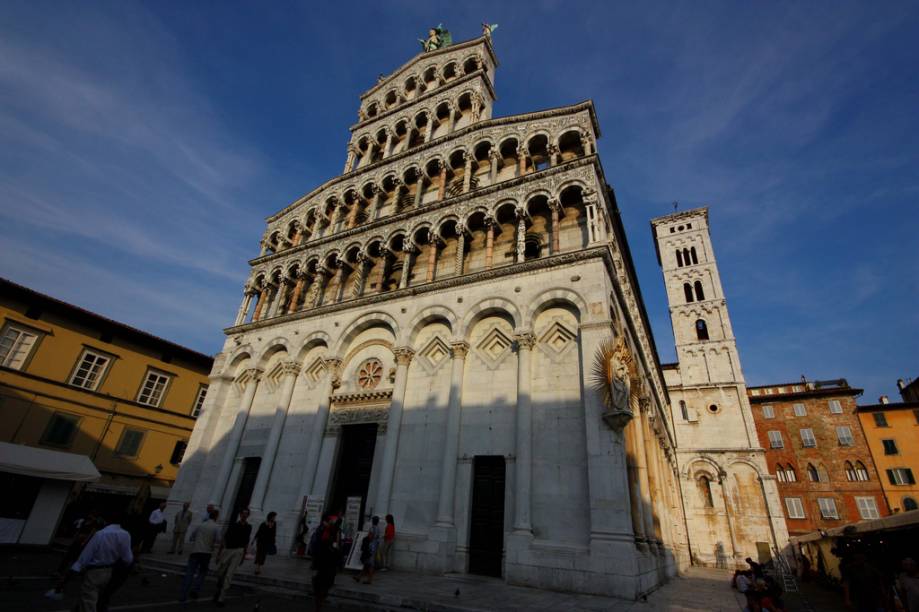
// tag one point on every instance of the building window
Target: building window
(16, 345)
(890, 447)
(178, 452)
(827, 507)
(808, 439)
(154, 387)
(790, 474)
(90, 370)
(910, 504)
(692, 253)
(129, 444)
(700, 295)
(880, 419)
(780, 473)
(916, 416)
(701, 330)
(861, 472)
(800, 410)
(835, 407)
(684, 411)
(199, 401)
(679, 258)
(705, 490)
(867, 507)
(687, 292)
(370, 374)
(795, 507)
(901, 476)
(844, 435)
(812, 473)
(775, 439)
(61, 429)
(768, 412)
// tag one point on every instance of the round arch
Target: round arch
(366, 321)
(486, 307)
(552, 297)
(428, 315)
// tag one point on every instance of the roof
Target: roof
(791, 395)
(894, 521)
(45, 463)
(888, 406)
(32, 297)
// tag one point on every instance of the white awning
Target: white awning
(44, 463)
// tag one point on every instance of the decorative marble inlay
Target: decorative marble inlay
(435, 353)
(557, 338)
(370, 374)
(494, 346)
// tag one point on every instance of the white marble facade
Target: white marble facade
(459, 306)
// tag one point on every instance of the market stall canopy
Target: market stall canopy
(894, 521)
(44, 463)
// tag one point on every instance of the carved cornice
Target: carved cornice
(352, 415)
(362, 397)
(599, 252)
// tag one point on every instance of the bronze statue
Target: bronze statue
(438, 38)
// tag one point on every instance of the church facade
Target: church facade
(451, 332)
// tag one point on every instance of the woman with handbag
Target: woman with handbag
(265, 541)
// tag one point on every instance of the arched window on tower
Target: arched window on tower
(679, 258)
(701, 330)
(824, 476)
(861, 472)
(812, 474)
(705, 491)
(685, 257)
(850, 471)
(687, 290)
(692, 253)
(700, 295)
(684, 411)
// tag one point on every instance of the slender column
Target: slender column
(289, 371)
(317, 432)
(552, 150)
(722, 481)
(467, 173)
(460, 248)
(375, 204)
(342, 265)
(318, 286)
(244, 306)
(387, 147)
(384, 262)
(298, 235)
(298, 290)
(476, 108)
(393, 425)
(277, 304)
(442, 186)
(521, 234)
(489, 243)
(494, 156)
(554, 207)
(521, 161)
(419, 191)
(432, 256)
(458, 351)
(260, 304)
(351, 220)
(635, 494)
(263, 246)
(451, 122)
(644, 481)
(250, 380)
(357, 288)
(310, 300)
(349, 162)
(409, 249)
(429, 129)
(523, 472)
(333, 219)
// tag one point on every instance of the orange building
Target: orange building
(892, 431)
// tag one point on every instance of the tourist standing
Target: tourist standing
(908, 585)
(376, 536)
(265, 543)
(155, 524)
(389, 535)
(367, 560)
(109, 548)
(231, 554)
(203, 541)
(180, 526)
(325, 558)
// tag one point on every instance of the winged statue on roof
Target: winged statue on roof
(438, 38)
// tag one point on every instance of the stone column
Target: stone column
(632, 433)
(289, 371)
(521, 234)
(467, 172)
(476, 108)
(552, 150)
(460, 248)
(384, 260)
(494, 156)
(521, 161)
(647, 515)
(652, 520)
(298, 234)
(333, 219)
(523, 472)
(458, 351)
(375, 204)
(489, 242)
(387, 146)
(554, 207)
(317, 432)
(409, 249)
(429, 129)
(442, 186)
(451, 122)
(244, 306)
(419, 191)
(357, 288)
(298, 290)
(277, 306)
(260, 304)
(342, 265)
(310, 300)
(349, 162)
(432, 256)
(393, 425)
(351, 219)
(728, 515)
(235, 434)
(318, 287)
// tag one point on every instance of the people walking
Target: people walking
(180, 525)
(302, 532)
(107, 549)
(367, 560)
(203, 541)
(325, 552)
(389, 536)
(265, 543)
(156, 524)
(231, 553)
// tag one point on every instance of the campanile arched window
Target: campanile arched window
(692, 253)
(700, 295)
(684, 411)
(701, 330)
(687, 291)
(679, 258)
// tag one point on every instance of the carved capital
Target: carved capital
(459, 350)
(333, 368)
(250, 375)
(525, 340)
(403, 355)
(289, 367)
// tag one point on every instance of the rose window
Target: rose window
(369, 374)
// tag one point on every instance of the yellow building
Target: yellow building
(72, 380)
(892, 431)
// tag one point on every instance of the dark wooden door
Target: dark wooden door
(246, 485)
(355, 461)
(486, 530)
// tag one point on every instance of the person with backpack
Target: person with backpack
(367, 561)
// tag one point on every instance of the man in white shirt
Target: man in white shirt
(204, 539)
(156, 524)
(107, 548)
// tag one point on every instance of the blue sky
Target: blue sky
(142, 144)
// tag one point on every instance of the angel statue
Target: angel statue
(438, 38)
(488, 28)
(613, 378)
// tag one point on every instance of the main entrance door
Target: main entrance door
(246, 485)
(352, 470)
(486, 531)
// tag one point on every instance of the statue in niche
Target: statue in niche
(438, 38)
(613, 375)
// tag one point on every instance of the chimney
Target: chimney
(883, 399)
(900, 384)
